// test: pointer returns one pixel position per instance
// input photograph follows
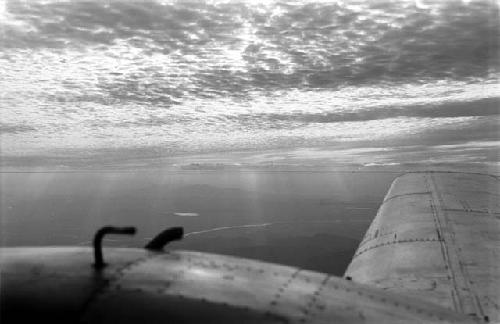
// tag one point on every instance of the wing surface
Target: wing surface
(58, 285)
(437, 237)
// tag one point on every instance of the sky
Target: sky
(85, 83)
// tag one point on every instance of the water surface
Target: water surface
(313, 220)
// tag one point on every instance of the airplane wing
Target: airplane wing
(59, 285)
(437, 237)
(410, 276)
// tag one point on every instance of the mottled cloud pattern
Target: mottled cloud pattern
(80, 78)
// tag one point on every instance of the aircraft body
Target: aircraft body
(430, 256)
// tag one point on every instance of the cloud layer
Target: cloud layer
(201, 76)
(227, 48)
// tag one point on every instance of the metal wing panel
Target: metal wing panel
(437, 236)
(268, 292)
(139, 286)
(52, 283)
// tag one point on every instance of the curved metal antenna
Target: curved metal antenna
(99, 235)
(165, 237)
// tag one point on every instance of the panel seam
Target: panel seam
(461, 287)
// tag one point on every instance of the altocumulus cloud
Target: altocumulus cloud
(163, 73)
(275, 45)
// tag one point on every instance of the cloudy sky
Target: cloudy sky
(83, 82)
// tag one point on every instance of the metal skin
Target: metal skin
(60, 285)
(437, 237)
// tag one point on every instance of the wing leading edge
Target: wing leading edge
(437, 237)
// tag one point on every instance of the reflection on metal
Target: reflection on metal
(99, 235)
(58, 286)
(436, 236)
(165, 237)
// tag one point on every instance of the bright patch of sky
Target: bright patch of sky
(89, 80)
